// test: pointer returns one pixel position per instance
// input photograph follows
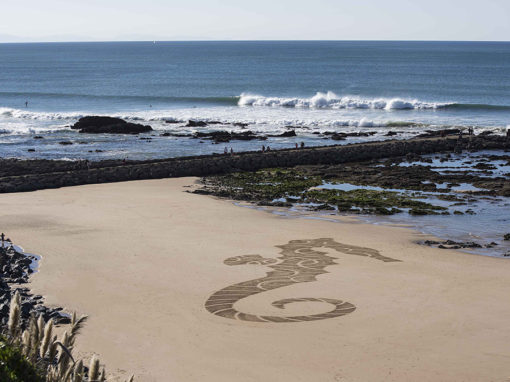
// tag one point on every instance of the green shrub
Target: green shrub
(14, 367)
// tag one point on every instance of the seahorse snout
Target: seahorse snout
(249, 259)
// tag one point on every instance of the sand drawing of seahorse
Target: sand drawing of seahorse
(299, 262)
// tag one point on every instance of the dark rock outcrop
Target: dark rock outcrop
(450, 244)
(108, 125)
(286, 134)
(168, 134)
(337, 137)
(192, 123)
(222, 136)
(438, 133)
(346, 135)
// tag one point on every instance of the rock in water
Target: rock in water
(192, 123)
(108, 125)
(290, 133)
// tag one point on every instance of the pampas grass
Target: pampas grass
(47, 338)
(94, 369)
(76, 326)
(102, 376)
(53, 359)
(78, 372)
(13, 325)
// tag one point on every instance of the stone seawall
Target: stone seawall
(107, 172)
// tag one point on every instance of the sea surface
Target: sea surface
(316, 86)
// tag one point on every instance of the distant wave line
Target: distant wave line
(232, 100)
(473, 106)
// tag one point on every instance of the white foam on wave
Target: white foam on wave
(253, 119)
(268, 119)
(178, 115)
(332, 101)
(7, 112)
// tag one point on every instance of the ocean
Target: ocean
(317, 86)
(312, 87)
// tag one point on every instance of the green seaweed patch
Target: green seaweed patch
(268, 184)
(285, 187)
(403, 124)
(324, 207)
(371, 201)
(450, 198)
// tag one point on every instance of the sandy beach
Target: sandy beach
(142, 258)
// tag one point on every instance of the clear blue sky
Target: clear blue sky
(71, 20)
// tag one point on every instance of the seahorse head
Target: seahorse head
(249, 259)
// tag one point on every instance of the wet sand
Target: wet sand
(142, 258)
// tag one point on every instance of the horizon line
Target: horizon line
(246, 40)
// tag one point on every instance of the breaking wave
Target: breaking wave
(332, 101)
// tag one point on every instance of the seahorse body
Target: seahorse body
(299, 263)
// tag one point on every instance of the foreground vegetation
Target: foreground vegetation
(34, 354)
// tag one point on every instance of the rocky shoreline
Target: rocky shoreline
(15, 270)
(384, 186)
(31, 175)
(454, 185)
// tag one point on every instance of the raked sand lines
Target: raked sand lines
(300, 262)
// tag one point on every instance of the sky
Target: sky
(130, 20)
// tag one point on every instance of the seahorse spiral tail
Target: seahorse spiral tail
(218, 306)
